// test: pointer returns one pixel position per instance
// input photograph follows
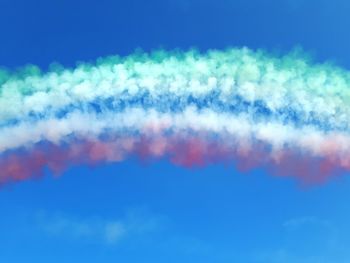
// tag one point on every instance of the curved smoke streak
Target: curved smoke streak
(241, 106)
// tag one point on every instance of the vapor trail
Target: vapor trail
(240, 106)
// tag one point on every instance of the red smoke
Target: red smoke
(181, 150)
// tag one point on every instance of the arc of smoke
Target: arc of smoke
(235, 105)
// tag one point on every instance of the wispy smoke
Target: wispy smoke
(239, 106)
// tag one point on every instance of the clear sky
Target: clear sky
(153, 211)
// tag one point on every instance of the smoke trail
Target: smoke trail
(238, 106)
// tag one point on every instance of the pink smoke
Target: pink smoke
(187, 151)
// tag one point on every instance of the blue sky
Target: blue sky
(139, 211)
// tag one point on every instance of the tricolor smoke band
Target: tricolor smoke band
(237, 106)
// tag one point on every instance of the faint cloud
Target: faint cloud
(304, 221)
(311, 230)
(305, 239)
(97, 229)
(286, 256)
(114, 231)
